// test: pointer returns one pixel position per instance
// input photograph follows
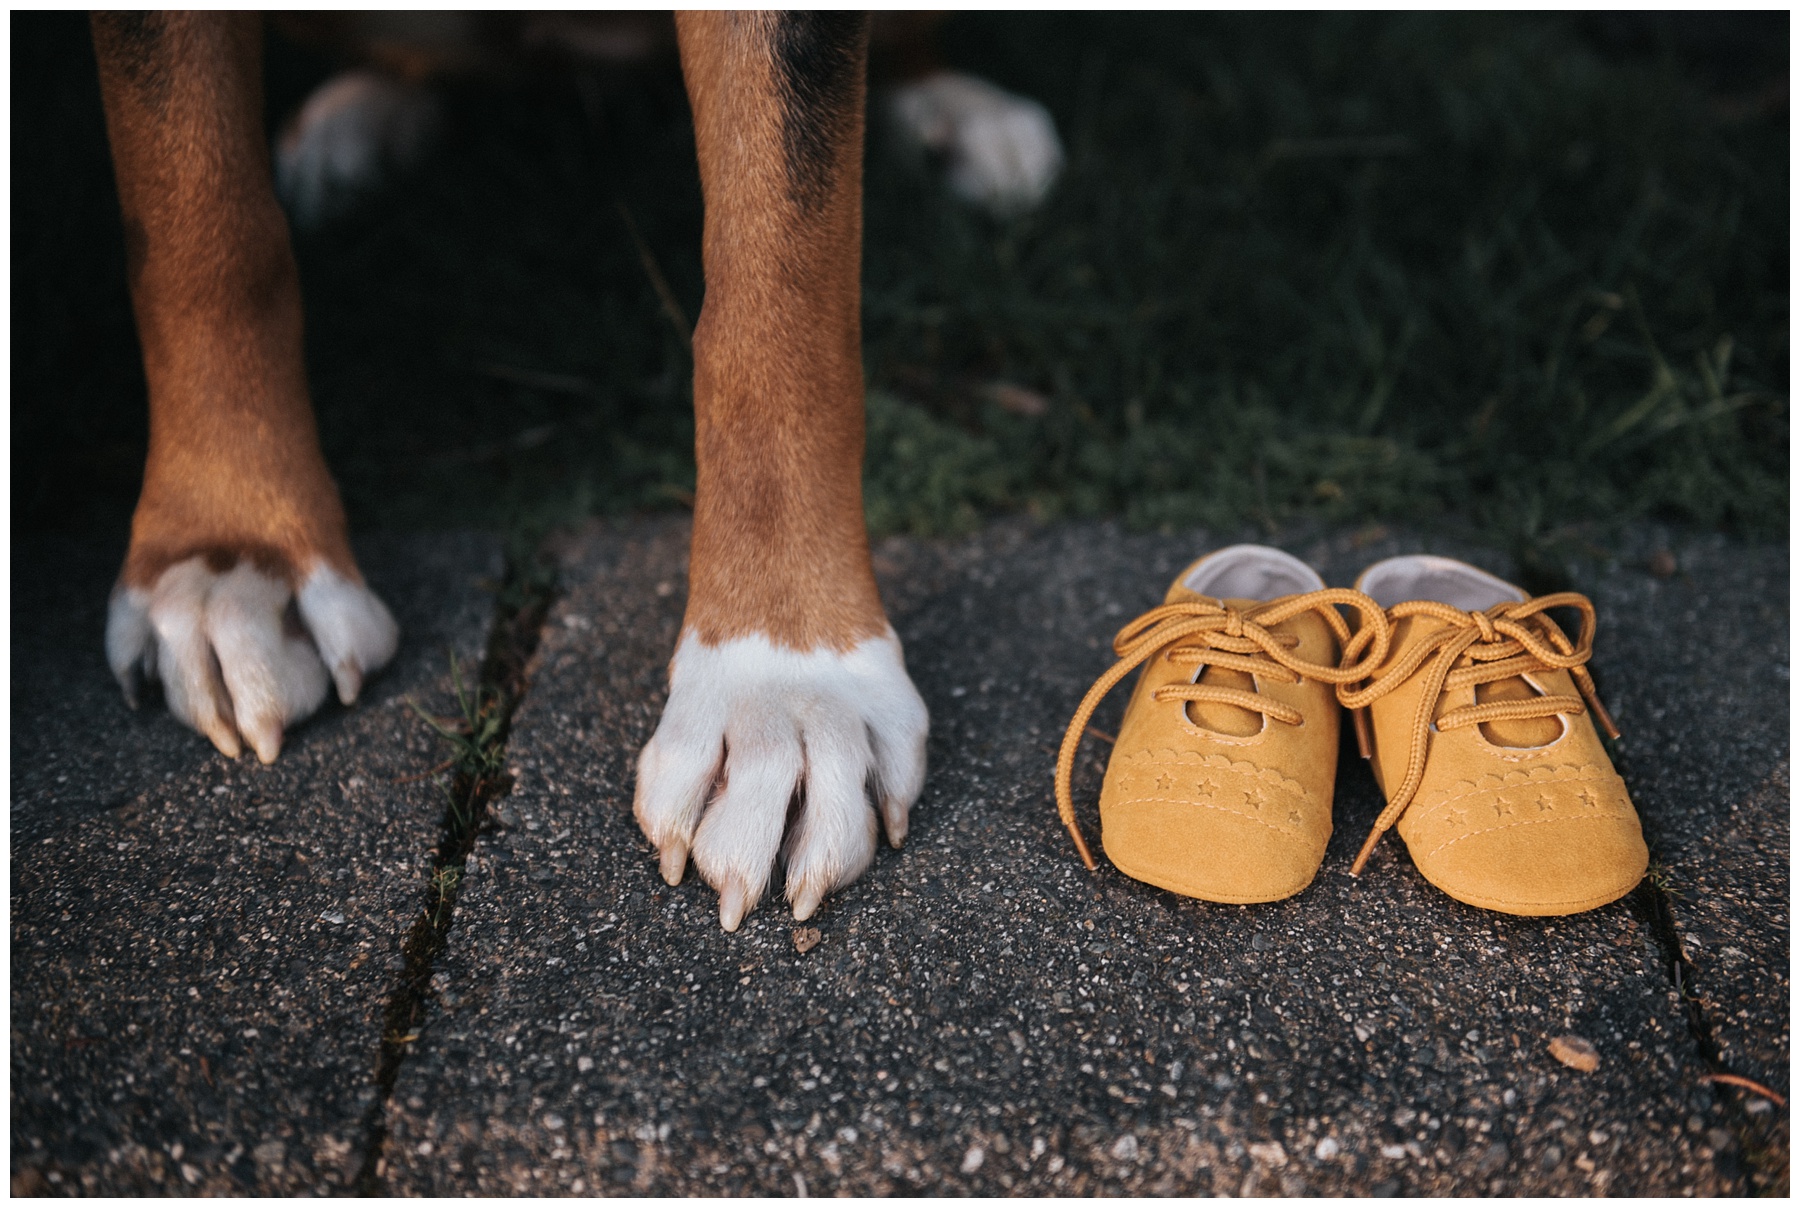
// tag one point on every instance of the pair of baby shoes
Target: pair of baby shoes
(1470, 702)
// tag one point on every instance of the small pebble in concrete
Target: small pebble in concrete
(1576, 1053)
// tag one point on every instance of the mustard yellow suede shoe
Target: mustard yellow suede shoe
(1481, 741)
(1220, 781)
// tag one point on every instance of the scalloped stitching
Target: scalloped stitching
(1206, 805)
(1565, 774)
(1222, 763)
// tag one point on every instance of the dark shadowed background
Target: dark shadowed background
(1524, 270)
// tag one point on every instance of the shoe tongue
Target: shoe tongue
(1221, 719)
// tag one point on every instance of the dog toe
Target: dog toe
(740, 834)
(130, 641)
(833, 839)
(352, 629)
(676, 771)
(271, 676)
(185, 663)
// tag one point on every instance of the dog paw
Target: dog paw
(751, 728)
(351, 129)
(1002, 148)
(239, 655)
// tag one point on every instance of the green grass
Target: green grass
(477, 739)
(1354, 267)
(1659, 877)
(1544, 289)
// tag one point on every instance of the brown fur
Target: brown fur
(779, 542)
(234, 468)
(418, 46)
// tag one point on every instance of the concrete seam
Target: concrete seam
(524, 602)
(1654, 906)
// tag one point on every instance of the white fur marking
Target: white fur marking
(1003, 150)
(352, 128)
(229, 663)
(759, 721)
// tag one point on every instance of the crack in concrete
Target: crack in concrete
(1655, 907)
(479, 780)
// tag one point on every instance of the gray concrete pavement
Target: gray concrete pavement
(1707, 758)
(981, 1014)
(76, 750)
(202, 948)
(978, 1013)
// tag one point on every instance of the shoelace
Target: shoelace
(1208, 633)
(1501, 642)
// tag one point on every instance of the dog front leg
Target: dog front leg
(788, 683)
(239, 591)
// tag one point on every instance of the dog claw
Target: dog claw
(894, 817)
(265, 741)
(674, 862)
(734, 903)
(129, 683)
(225, 738)
(806, 903)
(348, 677)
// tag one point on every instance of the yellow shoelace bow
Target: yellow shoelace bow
(1206, 633)
(1499, 643)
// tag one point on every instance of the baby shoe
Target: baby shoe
(1219, 786)
(1481, 741)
